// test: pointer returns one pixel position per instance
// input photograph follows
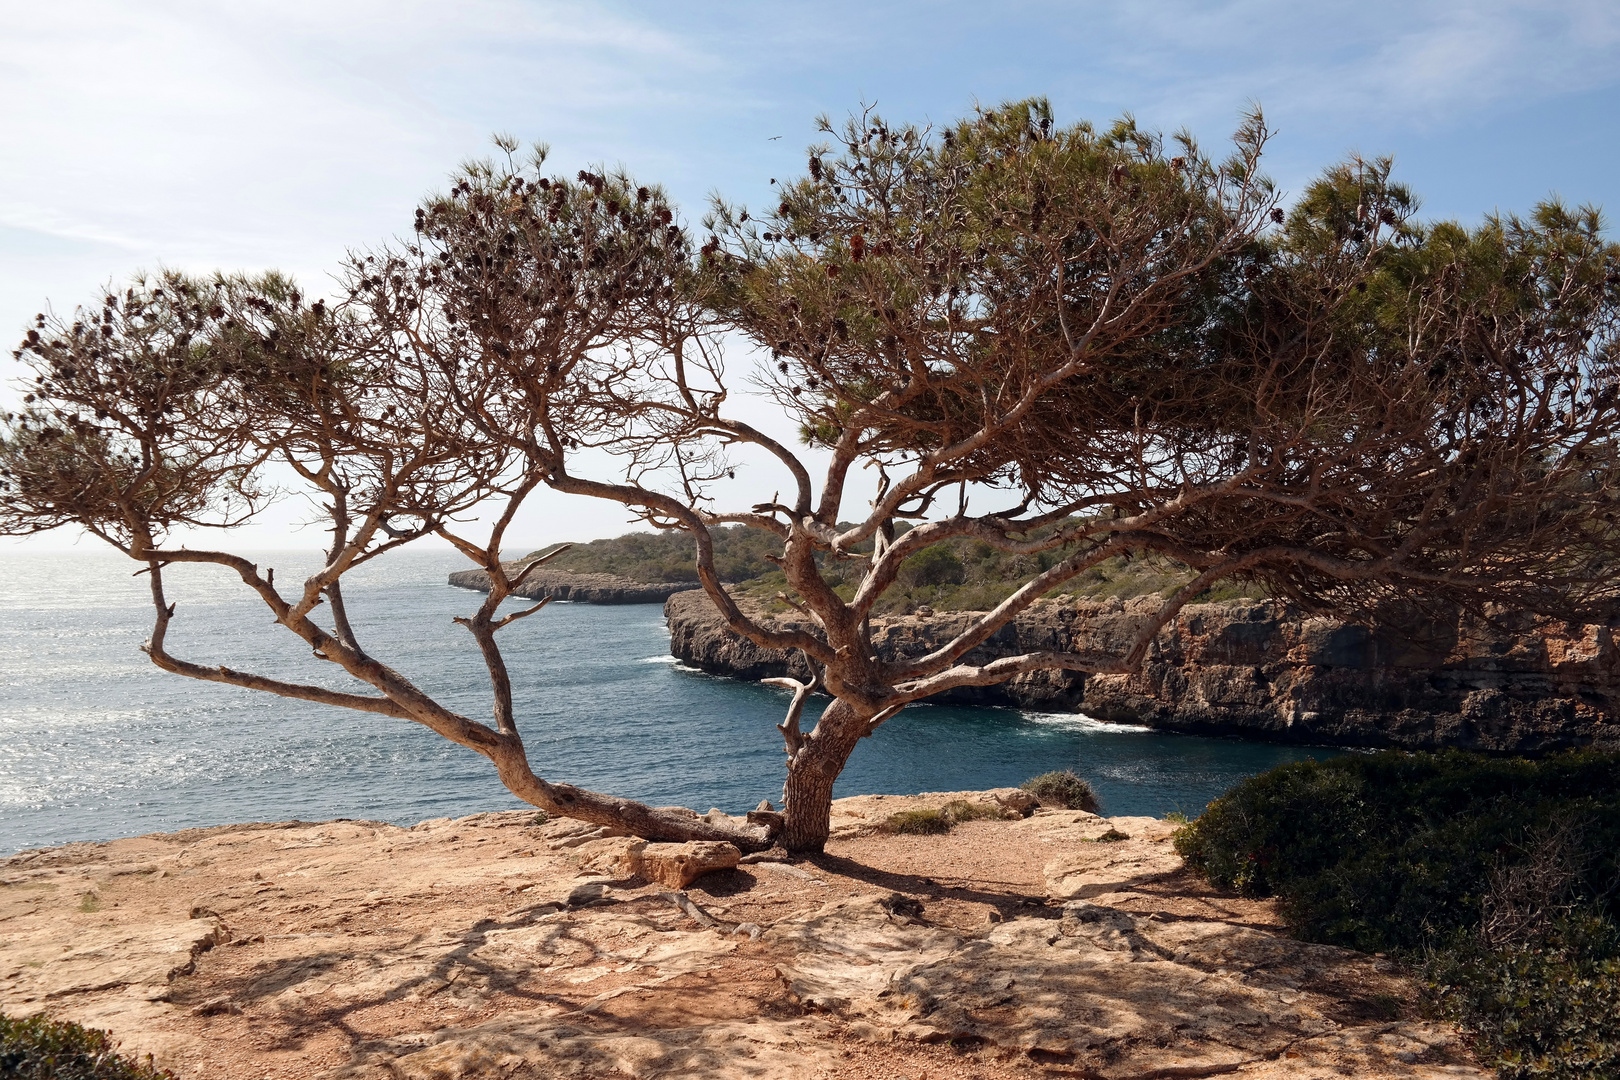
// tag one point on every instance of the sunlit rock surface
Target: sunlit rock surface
(495, 946)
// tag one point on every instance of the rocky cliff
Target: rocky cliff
(579, 588)
(1263, 670)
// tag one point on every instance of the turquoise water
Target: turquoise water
(97, 743)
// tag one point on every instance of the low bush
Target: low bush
(1063, 789)
(1382, 851)
(39, 1048)
(926, 822)
(1498, 878)
(1547, 1007)
(933, 822)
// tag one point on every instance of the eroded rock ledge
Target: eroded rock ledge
(1263, 670)
(579, 588)
(495, 947)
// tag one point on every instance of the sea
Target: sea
(97, 743)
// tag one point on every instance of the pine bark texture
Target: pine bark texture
(811, 775)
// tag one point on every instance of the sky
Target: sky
(250, 135)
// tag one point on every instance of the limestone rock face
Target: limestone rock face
(673, 865)
(620, 856)
(678, 865)
(1260, 670)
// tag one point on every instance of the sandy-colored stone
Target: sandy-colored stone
(1101, 994)
(619, 856)
(495, 947)
(1093, 862)
(549, 1046)
(678, 865)
(145, 958)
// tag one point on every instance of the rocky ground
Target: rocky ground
(493, 946)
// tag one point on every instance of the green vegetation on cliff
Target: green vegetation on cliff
(1500, 878)
(653, 557)
(955, 575)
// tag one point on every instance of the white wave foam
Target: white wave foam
(1082, 722)
(673, 661)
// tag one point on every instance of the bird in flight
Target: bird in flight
(773, 138)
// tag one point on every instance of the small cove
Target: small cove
(97, 743)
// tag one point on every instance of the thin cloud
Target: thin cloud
(1385, 63)
(263, 134)
(179, 124)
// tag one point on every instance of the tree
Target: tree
(1131, 339)
(164, 409)
(1123, 337)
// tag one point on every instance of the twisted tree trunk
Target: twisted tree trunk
(812, 770)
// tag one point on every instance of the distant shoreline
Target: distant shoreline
(579, 588)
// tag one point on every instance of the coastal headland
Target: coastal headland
(501, 945)
(1257, 669)
(578, 588)
(1261, 670)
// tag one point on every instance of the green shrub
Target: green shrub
(1382, 851)
(935, 565)
(1496, 876)
(1546, 1008)
(967, 575)
(953, 575)
(934, 822)
(1063, 789)
(918, 823)
(739, 554)
(39, 1048)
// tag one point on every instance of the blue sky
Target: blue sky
(249, 135)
